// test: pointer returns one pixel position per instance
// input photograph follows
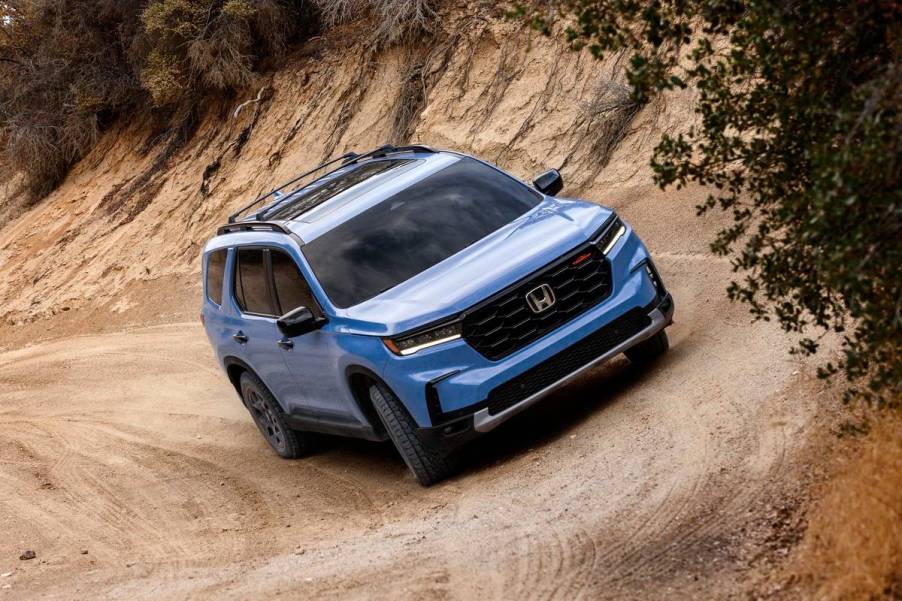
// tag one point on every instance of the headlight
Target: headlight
(408, 345)
(610, 235)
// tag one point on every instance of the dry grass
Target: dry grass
(201, 44)
(64, 71)
(392, 20)
(853, 544)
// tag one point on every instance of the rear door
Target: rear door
(255, 332)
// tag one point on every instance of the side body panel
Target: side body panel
(309, 380)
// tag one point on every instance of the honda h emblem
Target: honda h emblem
(540, 299)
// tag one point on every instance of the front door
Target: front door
(308, 357)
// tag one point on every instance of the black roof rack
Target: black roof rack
(347, 159)
(251, 226)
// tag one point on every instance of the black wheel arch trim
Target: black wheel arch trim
(230, 363)
(361, 397)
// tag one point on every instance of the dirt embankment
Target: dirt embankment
(130, 468)
(137, 210)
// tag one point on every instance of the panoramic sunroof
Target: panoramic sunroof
(318, 192)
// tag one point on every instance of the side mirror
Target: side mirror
(299, 321)
(549, 183)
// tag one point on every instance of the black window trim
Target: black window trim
(270, 280)
(318, 310)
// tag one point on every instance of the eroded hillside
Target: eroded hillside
(125, 229)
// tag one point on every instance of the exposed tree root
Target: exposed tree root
(511, 64)
(236, 145)
(131, 197)
(540, 105)
(417, 79)
(603, 123)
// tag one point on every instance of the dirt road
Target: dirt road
(130, 468)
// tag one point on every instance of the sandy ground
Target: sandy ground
(128, 464)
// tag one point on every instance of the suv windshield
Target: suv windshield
(416, 228)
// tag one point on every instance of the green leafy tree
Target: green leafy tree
(798, 136)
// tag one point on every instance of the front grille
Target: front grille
(567, 361)
(506, 323)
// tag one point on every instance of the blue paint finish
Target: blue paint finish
(477, 375)
(313, 376)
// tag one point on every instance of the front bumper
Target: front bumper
(460, 429)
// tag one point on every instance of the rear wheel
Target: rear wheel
(649, 350)
(270, 419)
(427, 464)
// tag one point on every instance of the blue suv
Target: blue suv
(421, 296)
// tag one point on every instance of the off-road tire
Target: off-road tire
(649, 350)
(270, 419)
(427, 464)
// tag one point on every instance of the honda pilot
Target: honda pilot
(420, 296)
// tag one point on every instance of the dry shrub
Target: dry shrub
(604, 120)
(339, 12)
(163, 78)
(853, 545)
(204, 45)
(393, 20)
(64, 73)
(609, 114)
(68, 68)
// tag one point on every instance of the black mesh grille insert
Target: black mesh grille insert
(505, 323)
(567, 361)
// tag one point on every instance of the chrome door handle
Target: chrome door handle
(286, 344)
(239, 337)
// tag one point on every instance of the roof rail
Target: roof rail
(347, 159)
(388, 149)
(251, 226)
(234, 216)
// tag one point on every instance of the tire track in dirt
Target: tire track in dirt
(602, 488)
(547, 569)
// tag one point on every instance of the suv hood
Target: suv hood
(519, 248)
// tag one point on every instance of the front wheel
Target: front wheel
(649, 350)
(427, 464)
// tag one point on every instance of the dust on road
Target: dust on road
(133, 447)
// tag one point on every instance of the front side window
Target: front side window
(290, 286)
(251, 291)
(415, 229)
(216, 261)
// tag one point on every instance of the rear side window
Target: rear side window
(291, 287)
(215, 269)
(251, 291)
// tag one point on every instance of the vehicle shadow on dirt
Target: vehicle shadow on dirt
(553, 417)
(558, 414)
